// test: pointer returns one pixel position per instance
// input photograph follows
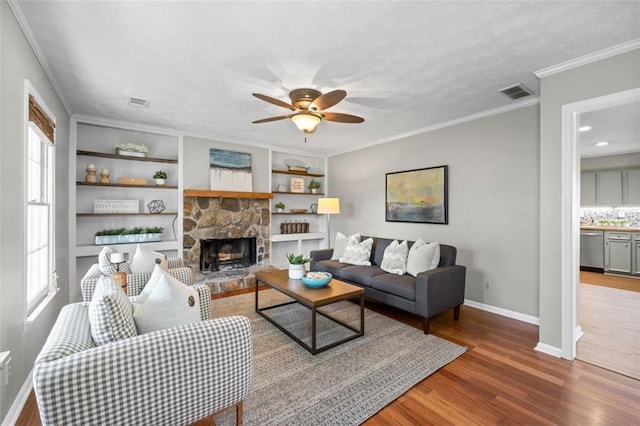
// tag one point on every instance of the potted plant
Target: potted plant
(280, 206)
(160, 176)
(296, 265)
(314, 185)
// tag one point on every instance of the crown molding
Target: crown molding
(590, 58)
(16, 8)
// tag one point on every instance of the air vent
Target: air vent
(139, 102)
(516, 91)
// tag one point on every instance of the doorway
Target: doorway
(571, 330)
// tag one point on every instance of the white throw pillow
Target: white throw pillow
(341, 243)
(144, 260)
(394, 259)
(105, 265)
(165, 302)
(423, 257)
(358, 253)
(110, 313)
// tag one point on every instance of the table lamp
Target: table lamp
(328, 206)
(119, 277)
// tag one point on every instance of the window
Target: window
(40, 241)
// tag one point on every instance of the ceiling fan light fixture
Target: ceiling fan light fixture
(306, 121)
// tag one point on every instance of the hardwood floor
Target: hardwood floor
(499, 380)
(612, 281)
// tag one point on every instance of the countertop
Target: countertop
(609, 228)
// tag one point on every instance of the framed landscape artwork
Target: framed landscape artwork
(419, 196)
(230, 170)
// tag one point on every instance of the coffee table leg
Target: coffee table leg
(313, 330)
(362, 314)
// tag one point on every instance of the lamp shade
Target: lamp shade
(328, 205)
(306, 122)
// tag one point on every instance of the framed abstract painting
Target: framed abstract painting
(419, 196)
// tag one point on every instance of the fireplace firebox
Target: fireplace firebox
(218, 254)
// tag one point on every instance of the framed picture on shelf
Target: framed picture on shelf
(297, 184)
(419, 196)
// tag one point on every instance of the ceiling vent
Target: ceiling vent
(516, 91)
(139, 102)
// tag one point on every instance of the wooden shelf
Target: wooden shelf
(124, 157)
(126, 214)
(297, 193)
(298, 237)
(285, 213)
(120, 185)
(226, 194)
(287, 172)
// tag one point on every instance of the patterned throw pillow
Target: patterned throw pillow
(165, 302)
(394, 259)
(105, 265)
(358, 253)
(144, 260)
(423, 257)
(341, 243)
(110, 313)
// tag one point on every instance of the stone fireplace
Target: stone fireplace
(221, 215)
(221, 254)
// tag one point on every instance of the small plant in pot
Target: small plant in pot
(314, 186)
(160, 176)
(296, 265)
(280, 206)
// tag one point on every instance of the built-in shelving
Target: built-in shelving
(288, 172)
(124, 185)
(124, 214)
(125, 157)
(299, 193)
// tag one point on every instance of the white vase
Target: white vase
(314, 190)
(160, 181)
(296, 272)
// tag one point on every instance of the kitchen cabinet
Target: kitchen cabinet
(588, 189)
(632, 187)
(636, 254)
(609, 188)
(617, 253)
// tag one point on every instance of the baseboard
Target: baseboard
(18, 403)
(504, 312)
(549, 350)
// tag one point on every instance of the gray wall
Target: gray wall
(601, 78)
(18, 63)
(196, 163)
(493, 200)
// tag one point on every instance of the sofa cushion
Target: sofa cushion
(394, 260)
(423, 257)
(358, 253)
(360, 274)
(144, 260)
(379, 246)
(165, 302)
(340, 244)
(334, 267)
(110, 313)
(399, 285)
(105, 265)
(70, 334)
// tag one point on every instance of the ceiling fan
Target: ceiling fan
(308, 107)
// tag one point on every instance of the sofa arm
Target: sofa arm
(318, 255)
(440, 289)
(204, 293)
(135, 282)
(174, 262)
(167, 377)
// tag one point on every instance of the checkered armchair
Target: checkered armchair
(174, 376)
(135, 281)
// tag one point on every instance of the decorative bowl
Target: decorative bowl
(317, 279)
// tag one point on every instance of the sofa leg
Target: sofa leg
(239, 413)
(425, 325)
(456, 313)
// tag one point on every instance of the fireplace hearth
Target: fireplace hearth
(221, 254)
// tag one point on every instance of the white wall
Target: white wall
(196, 163)
(17, 64)
(610, 162)
(493, 200)
(612, 75)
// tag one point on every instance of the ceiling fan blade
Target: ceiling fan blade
(266, 120)
(342, 118)
(327, 100)
(274, 101)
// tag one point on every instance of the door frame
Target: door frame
(570, 209)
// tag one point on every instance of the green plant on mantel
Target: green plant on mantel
(132, 231)
(297, 259)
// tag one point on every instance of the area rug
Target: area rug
(344, 385)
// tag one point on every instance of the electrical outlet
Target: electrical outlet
(487, 285)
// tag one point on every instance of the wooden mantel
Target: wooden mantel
(226, 194)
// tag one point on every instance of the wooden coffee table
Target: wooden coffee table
(312, 298)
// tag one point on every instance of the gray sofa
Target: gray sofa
(426, 295)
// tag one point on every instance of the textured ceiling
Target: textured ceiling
(620, 126)
(406, 66)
